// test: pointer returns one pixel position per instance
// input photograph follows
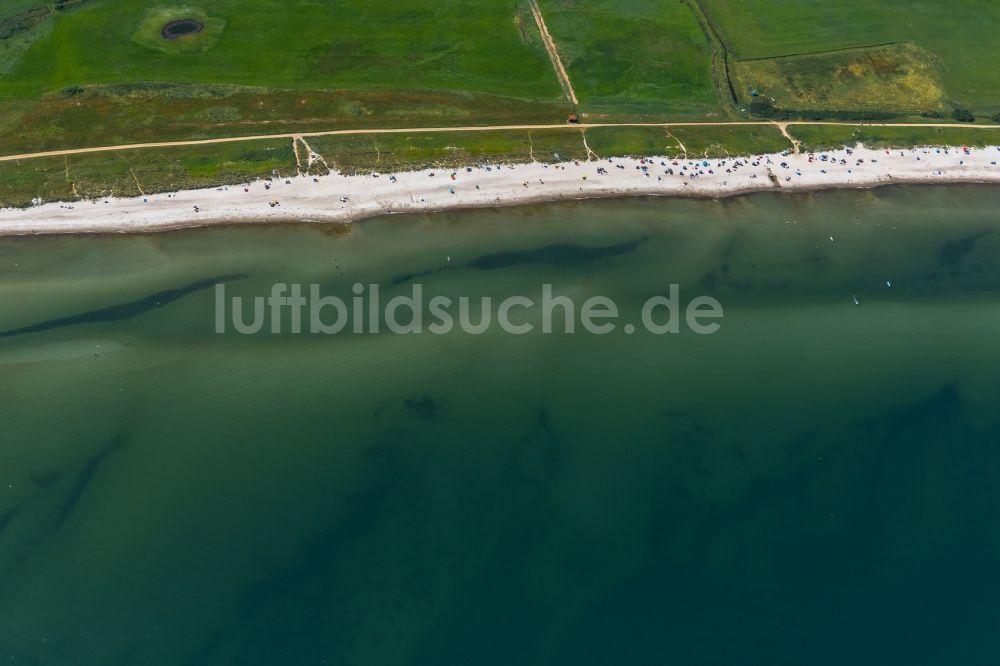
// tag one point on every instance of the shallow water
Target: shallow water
(814, 483)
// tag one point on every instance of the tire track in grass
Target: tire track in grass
(550, 46)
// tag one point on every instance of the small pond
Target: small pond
(176, 29)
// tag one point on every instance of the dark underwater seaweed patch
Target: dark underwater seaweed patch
(84, 479)
(123, 310)
(952, 252)
(424, 406)
(559, 254)
(8, 516)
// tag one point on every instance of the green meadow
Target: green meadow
(646, 58)
(901, 78)
(78, 73)
(137, 172)
(137, 113)
(468, 45)
(822, 137)
(963, 34)
(278, 62)
(398, 152)
(703, 141)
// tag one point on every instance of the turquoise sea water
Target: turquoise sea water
(815, 483)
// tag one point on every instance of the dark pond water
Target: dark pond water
(176, 29)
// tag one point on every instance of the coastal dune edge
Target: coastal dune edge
(338, 198)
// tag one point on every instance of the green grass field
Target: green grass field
(901, 78)
(823, 137)
(721, 141)
(134, 172)
(99, 73)
(77, 73)
(468, 45)
(66, 65)
(647, 58)
(22, 22)
(397, 152)
(962, 34)
(138, 113)
(131, 173)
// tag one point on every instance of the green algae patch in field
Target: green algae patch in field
(178, 30)
(892, 77)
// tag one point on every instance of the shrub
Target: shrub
(764, 109)
(963, 116)
(72, 91)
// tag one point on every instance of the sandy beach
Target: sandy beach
(339, 198)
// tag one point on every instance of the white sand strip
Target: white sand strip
(338, 198)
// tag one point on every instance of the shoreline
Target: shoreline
(343, 199)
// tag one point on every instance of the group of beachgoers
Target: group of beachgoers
(778, 168)
(340, 197)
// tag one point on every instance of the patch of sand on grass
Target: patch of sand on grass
(899, 77)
